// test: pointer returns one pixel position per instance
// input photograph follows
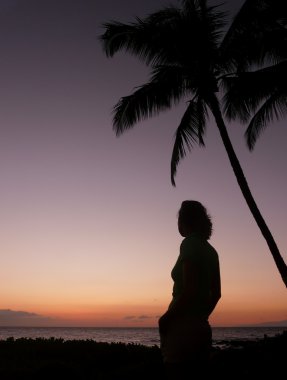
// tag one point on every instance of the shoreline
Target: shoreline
(106, 334)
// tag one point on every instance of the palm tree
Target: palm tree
(186, 53)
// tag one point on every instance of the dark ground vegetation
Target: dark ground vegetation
(86, 359)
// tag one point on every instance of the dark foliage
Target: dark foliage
(86, 359)
(75, 359)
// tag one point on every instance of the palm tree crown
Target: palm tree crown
(181, 47)
(190, 58)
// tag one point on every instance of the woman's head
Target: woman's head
(193, 217)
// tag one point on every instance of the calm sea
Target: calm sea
(146, 336)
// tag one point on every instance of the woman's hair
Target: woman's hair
(194, 215)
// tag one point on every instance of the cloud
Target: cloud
(138, 318)
(21, 318)
(144, 317)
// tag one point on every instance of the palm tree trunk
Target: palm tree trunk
(281, 266)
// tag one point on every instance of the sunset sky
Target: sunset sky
(88, 220)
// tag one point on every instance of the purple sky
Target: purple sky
(88, 223)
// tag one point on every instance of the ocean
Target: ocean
(140, 335)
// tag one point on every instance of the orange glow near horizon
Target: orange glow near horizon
(228, 313)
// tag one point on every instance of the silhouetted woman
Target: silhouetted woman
(184, 329)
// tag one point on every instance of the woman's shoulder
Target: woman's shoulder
(193, 240)
(194, 246)
(191, 246)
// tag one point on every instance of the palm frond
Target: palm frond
(172, 35)
(166, 87)
(246, 91)
(273, 108)
(189, 132)
(202, 115)
(256, 36)
(147, 38)
(208, 21)
(235, 101)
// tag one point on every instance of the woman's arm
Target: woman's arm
(215, 290)
(189, 293)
